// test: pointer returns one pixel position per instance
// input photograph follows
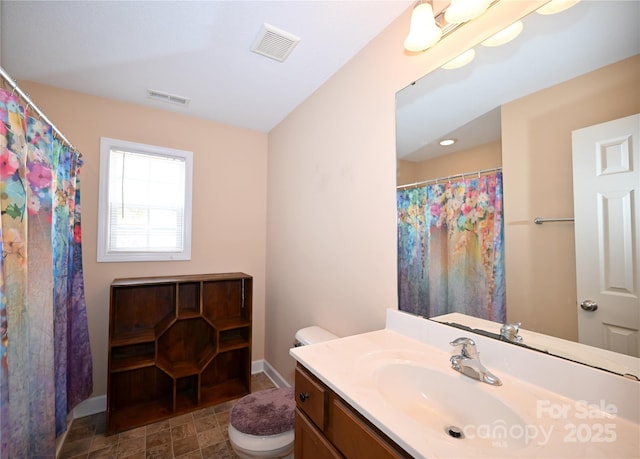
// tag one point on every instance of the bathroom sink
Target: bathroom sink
(457, 409)
(452, 404)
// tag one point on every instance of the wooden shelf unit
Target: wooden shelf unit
(176, 344)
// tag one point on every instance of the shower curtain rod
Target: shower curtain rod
(30, 103)
(449, 177)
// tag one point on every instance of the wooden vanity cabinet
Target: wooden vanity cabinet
(176, 344)
(327, 427)
(309, 441)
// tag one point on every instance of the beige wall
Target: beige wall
(482, 157)
(229, 198)
(331, 232)
(536, 145)
(406, 172)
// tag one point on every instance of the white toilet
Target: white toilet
(261, 424)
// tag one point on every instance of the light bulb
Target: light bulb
(460, 61)
(556, 6)
(423, 32)
(464, 10)
(505, 35)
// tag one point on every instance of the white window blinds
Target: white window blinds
(147, 207)
(146, 202)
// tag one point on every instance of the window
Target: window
(144, 203)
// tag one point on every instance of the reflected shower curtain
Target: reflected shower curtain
(45, 359)
(450, 248)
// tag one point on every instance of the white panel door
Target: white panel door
(606, 183)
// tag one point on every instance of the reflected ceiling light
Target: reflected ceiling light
(447, 142)
(460, 61)
(556, 6)
(505, 35)
(423, 31)
(465, 10)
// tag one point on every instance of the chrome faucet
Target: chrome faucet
(468, 362)
(509, 332)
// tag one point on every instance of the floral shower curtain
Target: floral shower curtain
(45, 358)
(450, 248)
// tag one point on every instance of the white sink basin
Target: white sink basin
(450, 403)
(444, 403)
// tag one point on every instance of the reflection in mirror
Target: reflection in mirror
(515, 107)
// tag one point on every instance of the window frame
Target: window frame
(103, 253)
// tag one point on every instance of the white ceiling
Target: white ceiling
(196, 49)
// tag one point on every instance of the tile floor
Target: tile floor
(201, 434)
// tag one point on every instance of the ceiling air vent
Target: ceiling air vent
(166, 97)
(274, 43)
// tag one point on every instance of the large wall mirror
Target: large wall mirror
(515, 107)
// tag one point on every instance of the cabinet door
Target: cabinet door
(353, 437)
(311, 398)
(310, 443)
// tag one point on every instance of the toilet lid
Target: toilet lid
(268, 412)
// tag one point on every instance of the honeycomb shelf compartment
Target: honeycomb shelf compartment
(186, 347)
(132, 356)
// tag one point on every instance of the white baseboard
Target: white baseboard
(98, 404)
(90, 406)
(257, 366)
(276, 377)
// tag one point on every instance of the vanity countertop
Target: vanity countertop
(558, 420)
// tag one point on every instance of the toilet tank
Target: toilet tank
(312, 335)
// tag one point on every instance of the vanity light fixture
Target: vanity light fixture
(505, 35)
(460, 61)
(447, 142)
(465, 10)
(426, 29)
(423, 31)
(556, 6)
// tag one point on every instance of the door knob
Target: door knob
(589, 305)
